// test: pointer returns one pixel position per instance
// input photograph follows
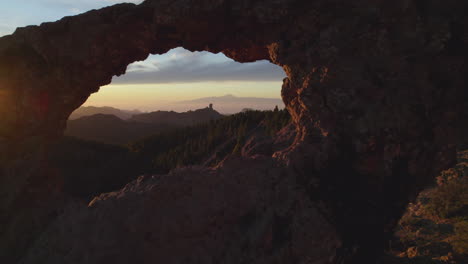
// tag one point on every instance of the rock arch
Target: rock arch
(377, 91)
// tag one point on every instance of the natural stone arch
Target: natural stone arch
(376, 90)
(115, 37)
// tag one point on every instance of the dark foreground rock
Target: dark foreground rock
(242, 212)
(376, 89)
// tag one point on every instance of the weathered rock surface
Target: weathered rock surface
(259, 143)
(377, 90)
(242, 212)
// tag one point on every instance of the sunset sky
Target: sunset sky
(161, 79)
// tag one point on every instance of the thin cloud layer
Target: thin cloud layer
(182, 66)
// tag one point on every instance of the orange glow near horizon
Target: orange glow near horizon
(149, 97)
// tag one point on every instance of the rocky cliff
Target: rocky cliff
(376, 89)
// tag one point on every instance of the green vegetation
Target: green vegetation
(193, 145)
(90, 168)
(450, 198)
(460, 239)
(435, 228)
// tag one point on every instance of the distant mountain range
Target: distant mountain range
(233, 104)
(93, 110)
(114, 130)
(117, 126)
(227, 104)
(178, 119)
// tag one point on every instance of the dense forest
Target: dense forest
(92, 167)
(193, 145)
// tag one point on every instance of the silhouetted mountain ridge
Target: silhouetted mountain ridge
(232, 104)
(113, 130)
(93, 110)
(174, 118)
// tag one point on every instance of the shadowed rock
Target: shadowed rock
(376, 89)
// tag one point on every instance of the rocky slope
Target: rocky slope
(376, 89)
(434, 229)
(183, 218)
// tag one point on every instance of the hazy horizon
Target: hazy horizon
(181, 75)
(225, 104)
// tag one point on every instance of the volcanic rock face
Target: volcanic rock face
(243, 212)
(377, 91)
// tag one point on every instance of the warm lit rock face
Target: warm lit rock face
(377, 90)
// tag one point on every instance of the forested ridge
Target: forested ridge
(191, 145)
(91, 167)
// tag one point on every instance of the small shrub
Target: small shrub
(450, 198)
(460, 239)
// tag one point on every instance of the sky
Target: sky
(161, 80)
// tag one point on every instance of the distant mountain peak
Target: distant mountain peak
(184, 118)
(232, 104)
(100, 117)
(92, 110)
